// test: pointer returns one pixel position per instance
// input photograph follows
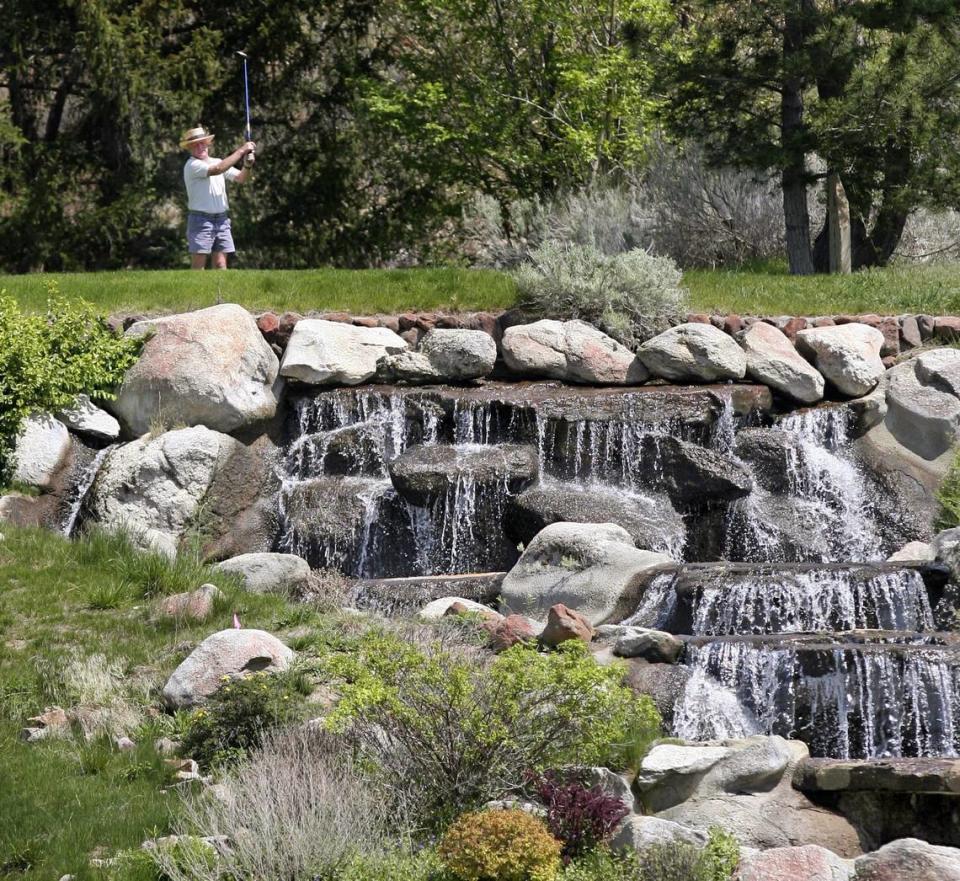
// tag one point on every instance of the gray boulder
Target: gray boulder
(773, 360)
(662, 683)
(637, 832)
(407, 368)
(86, 418)
(153, 487)
(437, 609)
(333, 353)
(40, 451)
(694, 353)
(810, 862)
(211, 367)
(909, 859)
(923, 402)
(651, 645)
(651, 520)
(573, 351)
(848, 355)
(593, 568)
(744, 786)
(225, 653)
(459, 354)
(268, 572)
(425, 472)
(772, 454)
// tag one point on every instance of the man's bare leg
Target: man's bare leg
(198, 261)
(219, 260)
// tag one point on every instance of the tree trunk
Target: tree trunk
(792, 134)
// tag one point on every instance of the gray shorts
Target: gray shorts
(209, 232)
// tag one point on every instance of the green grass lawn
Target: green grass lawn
(76, 628)
(359, 292)
(760, 290)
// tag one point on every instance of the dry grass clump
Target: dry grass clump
(298, 808)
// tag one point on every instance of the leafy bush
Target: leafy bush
(297, 809)
(509, 845)
(238, 715)
(47, 360)
(629, 295)
(668, 861)
(581, 817)
(948, 496)
(448, 734)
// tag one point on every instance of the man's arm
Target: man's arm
(238, 154)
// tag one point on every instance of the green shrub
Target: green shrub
(629, 295)
(509, 845)
(47, 360)
(448, 734)
(397, 866)
(238, 715)
(669, 861)
(948, 495)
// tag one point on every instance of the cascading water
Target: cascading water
(82, 489)
(846, 701)
(828, 501)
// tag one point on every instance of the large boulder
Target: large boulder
(744, 786)
(268, 572)
(573, 351)
(773, 360)
(153, 488)
(40, 451)
(848, 355)
(445, 355)
(662, 683)
(909, 859)
(226, 653)
(694, 353)
(923, 402)
(211, 367)
(86, 418)
(638, 832)
(593, 568)
(333, 353)
(651, 520)
(651, 645)
(810, 862)
(425, 472)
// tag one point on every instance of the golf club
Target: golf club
(250, 157)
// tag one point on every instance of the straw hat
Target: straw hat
(194, 136)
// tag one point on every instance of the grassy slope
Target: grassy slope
(765, 290)
(63, 602)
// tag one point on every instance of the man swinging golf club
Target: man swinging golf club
(208, 217)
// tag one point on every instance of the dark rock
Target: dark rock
(927, 325)
(772, 454)
(425, 472)
(929, 775)
(651, 521)
(663, 683)
(692, 474)
(402, 596)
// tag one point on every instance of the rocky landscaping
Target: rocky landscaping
(702, 580)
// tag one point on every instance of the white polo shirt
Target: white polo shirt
(207, 194)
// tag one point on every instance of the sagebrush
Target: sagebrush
(630, 295)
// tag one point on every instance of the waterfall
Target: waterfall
(707, 710)
(850, 701)
(82, 489)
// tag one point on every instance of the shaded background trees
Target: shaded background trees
(380, 120)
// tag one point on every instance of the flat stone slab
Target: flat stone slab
(930, 776)
(399, 596)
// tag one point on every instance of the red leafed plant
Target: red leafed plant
(581, 817)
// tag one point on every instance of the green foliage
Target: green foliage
(46, 360)
(629, 295)
(865, 86)
(948, 496)
(447, 734)
(500, 845)
(673, 861)
(424, 865)
(238, 715)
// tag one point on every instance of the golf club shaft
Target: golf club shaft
(251, 158)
